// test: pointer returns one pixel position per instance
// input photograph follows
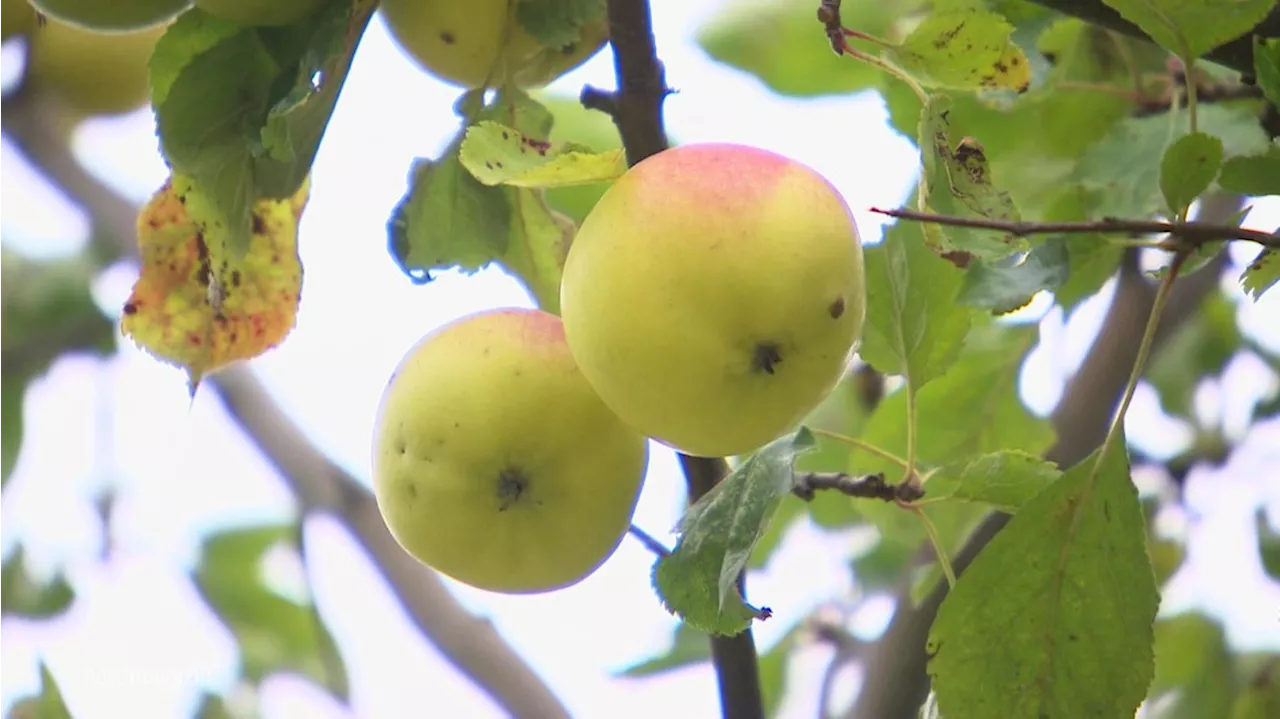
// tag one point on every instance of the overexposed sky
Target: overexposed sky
(138, 643)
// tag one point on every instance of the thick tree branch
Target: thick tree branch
(636, 109)
(469, 642)
(896, 682)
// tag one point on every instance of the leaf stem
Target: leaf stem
(890, 68)
(1191, 96)
(909, 472)
(859, 444)
(938, 549)
(651, 544)
(1144, 351)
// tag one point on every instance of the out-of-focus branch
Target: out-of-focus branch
(469, 642)
(896, 682)
(636, 109)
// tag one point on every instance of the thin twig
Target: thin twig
(860, 444)
(871, 486)
(1195, 233)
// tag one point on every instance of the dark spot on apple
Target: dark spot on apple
(447, 37)
(259, 225)
(767, 356)
(835, 309)
(401, 447)
(411, 491)
(511, 485)
(130, 308)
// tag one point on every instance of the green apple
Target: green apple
(112, 15)
(474, 43)
(714, 296)
(495, 462)
(261, 12)
(93, 73)
(17, 17)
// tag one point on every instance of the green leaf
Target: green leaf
(1125, 166)
(1268, 545)
(558, 23)
(1188, 168)
(236, 108)
(1003, 288)
(1200, 348)
(448, 219)
(538, 246)
(914, 326)
(688, 646)
(1262, 274)
(589, 128)
(1054, 617)
(1005, 480)
(1091, 259)
(23, 595)
(964, 50)
(1254, 175)
(1193, 661)
(48, 310)
(13, 393)
(697, 581)
(972, 409)
(1266, 66)
(48, 704)
(499, 155)
(780, 43)
(959, 183)
(1191, 28)
(275, 633)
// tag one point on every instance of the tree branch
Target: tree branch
(636, 109)
(469, 642)
(896, 682)
(872, 486)
(1195, 233)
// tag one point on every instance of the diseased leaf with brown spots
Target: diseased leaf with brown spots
(195, 305)
(964, 50)
(958, 182)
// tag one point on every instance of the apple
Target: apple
(17, 17)
(466, 43)
(112, 15)
(494, 461)
(94, 73)
(714, 296)
(261, 12)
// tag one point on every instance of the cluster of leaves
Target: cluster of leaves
(1020, 114)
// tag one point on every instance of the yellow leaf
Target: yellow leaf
(196, 304)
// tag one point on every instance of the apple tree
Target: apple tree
(1071, 153)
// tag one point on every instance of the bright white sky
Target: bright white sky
(139, 643)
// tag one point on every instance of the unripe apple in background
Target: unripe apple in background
(496, 463)
(93, 73)
(112, 15)
(261, 12)
(460, 41)
(714, 296)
